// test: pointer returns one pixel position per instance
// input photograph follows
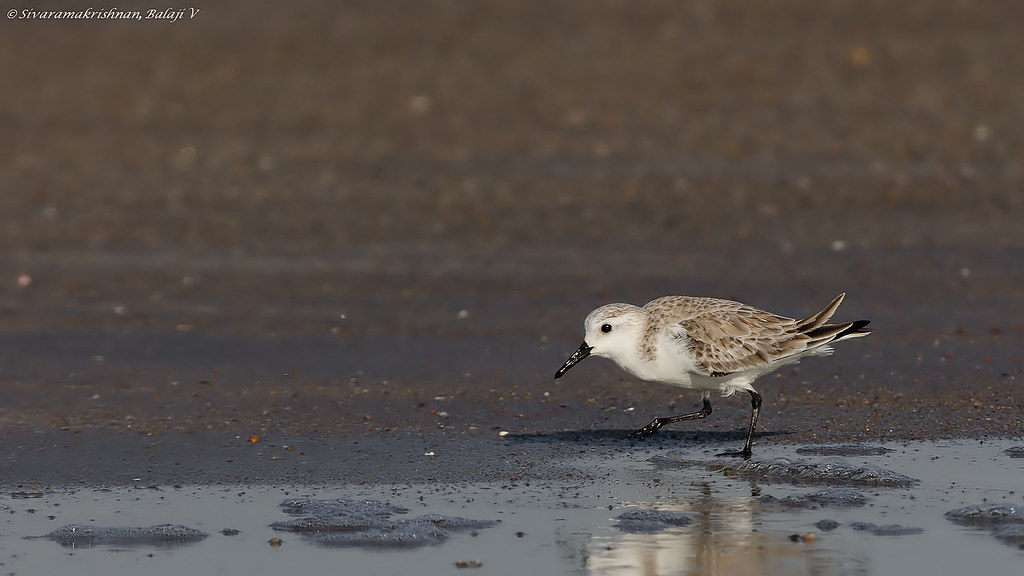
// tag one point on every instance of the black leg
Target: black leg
(659, 422)
(755, 405)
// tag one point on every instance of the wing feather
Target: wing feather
(728, 340)
(725, 336)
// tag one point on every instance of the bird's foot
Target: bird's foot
(646, 430)
(745, 454)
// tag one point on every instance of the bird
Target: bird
(706, 344)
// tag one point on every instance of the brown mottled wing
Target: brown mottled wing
(732, 337)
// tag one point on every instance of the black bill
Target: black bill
(578, 355)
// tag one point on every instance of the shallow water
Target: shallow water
(737, 524)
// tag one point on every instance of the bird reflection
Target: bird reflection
(722, 540)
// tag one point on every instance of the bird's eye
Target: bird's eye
(606, 328)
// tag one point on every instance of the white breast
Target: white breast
(671, 363)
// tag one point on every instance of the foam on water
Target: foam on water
(837, 497)
(646, 520)
(832, 470)
(369, 523)
(886, 529)
(78, 536)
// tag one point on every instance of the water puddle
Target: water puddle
(957, 507)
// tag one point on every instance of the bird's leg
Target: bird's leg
(755, 404)
(659, 422)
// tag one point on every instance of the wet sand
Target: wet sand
(363, 233)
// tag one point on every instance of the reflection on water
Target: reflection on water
(567, 526)
(723, 539)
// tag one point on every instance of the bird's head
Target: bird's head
(612, 331)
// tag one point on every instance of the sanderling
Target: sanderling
(706, 344)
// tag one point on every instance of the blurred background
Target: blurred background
(325, 216)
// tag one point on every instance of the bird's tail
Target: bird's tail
(820, 333)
